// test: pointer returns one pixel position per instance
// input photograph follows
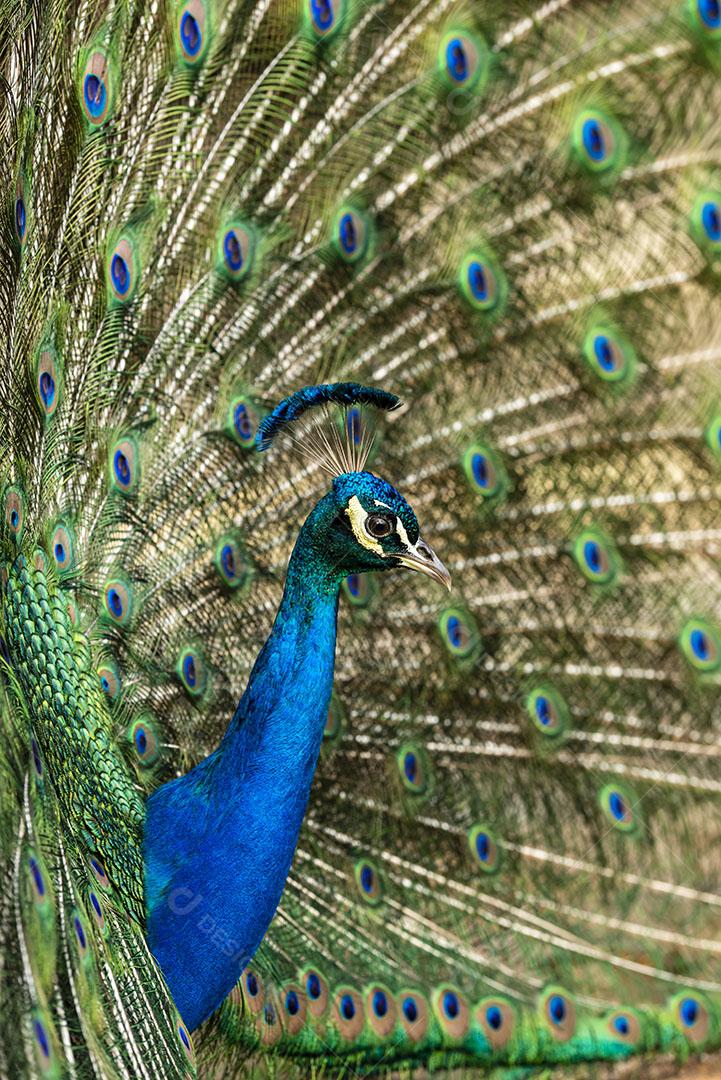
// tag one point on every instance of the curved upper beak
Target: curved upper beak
(423, 558)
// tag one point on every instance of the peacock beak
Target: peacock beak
(423, 558)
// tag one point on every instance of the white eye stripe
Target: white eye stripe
(358, 515)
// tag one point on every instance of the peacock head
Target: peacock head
(374, 528)
(363, 524)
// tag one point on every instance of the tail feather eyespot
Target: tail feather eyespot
(348, 1012)
(559, 1012)
(123, 270)
(482, 281)
(452, 1011)
(351, 234)
(599, 141)
(316, 992)
(381, 1010)
(48, 380)
(413, 1014)
(624, 1026)
(497, 1019)
(144, 740)
(691, 1016)
(253, 990)
(236, 250)
(295, 1008)
(701, 645)
(368, 881)
(484, 848)
(548, 710)
(324, 17)
(14, 511)
(192, 31)
(97, 88)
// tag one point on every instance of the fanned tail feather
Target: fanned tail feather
(510, 216)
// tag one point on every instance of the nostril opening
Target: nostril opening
(423, 548)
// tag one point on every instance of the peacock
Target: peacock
(290, 291)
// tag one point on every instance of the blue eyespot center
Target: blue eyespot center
(621, 1025)
(121, 467)
(98, 868)
(494, 1017)
(700, 644)
(711, 220)
(242, 422)
(227, 559)
(410, 1010)
(354, 584)
(79, 932)
(483, 846)
(380, 1003)
(59, 552)
(313, 987)
(189, 672)
(689, 1011)
(617, 806)
(269, 1014)
(251, 984)
(41, 1038)
(410, 766)
(604, 353)
(455, 631)
(233, 251)
(478, 281)
(593, 140)
(115, 603)
(348, 234)
(367, 878)
(456, 60)
(451, 1005)
(141, 740)
(292, 1004)
(557, 1009)
(184, 1036)
(14, 518)
(20, 217)
(96, 905)
(543, 710)
(95, 95)
(37, 876)
(347, 1007)
(322, 13)
(119, 274)
(710, 13)
(592, 555)
(190, 34)
(481, 474)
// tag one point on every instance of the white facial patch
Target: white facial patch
(358, 516)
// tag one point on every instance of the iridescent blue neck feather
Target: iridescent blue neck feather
(219, 841)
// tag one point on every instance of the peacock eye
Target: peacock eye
(379, 525)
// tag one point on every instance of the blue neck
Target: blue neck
(219, 841)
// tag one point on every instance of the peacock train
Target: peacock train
(360, 587)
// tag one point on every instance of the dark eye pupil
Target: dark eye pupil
(379, 525)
